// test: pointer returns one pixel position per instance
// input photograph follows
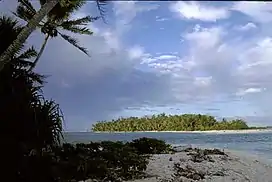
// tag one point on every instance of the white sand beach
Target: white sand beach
(234, 167)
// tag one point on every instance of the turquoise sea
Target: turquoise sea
(252, 143)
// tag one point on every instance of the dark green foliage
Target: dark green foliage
(162, 122)
(106, 161)
(205, 151)
(31, 126)
(150, 146)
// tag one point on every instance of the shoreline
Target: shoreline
(235, 166)
(208, 131)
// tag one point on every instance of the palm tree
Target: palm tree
(56, 21)
(6, 56)
(9, 31)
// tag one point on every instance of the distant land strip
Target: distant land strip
(175, 123)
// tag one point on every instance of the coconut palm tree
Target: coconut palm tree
(9, 31)
(56, 21)
(6, 56)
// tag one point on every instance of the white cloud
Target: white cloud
(111, 39)
(151, 59)
(136, 52)
(257, 56)
(247, 27)
(232, 63)
(162, 57)
(126, 11)
(196, 11)
(160, 19)
(205, 38)
(248, 91)
(259, 11)
(203, 81)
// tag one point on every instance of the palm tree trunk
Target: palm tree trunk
(24, 34)
(40, 53)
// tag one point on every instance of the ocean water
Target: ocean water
(252, 143)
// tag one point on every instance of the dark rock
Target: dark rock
(196, 176)
(188, 172)
(181, 148)
(219, 173)
(214, 152)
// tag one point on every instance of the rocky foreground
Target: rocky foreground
(206, 165)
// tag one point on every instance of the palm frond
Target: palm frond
(80, 21)
(74, 42)
(5, 20)
(73, 5)
(102, 11)
(28, 5)
(9, 29)
(22, 64)
(40, 79)
(24, 12)
(65, 8)
(29, 53)
(74, 25)
(78, 30)
(50, 119)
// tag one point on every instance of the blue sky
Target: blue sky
(173, 57)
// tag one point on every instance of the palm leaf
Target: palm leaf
(64, 9)
(29, 53)
(74, 42)
(80, 21)
(49, 118)
(21, 61)
(24, 12)
(73, 5)
(28, 5)
(78, 30)
(40, 79)
(100, 6)
(24, 64)
(9, 29)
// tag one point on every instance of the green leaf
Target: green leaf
(78, 30)
(65, 8)
(29, 53)
(80, 21)
(28, 5)
(74, 42)
(25, 12)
